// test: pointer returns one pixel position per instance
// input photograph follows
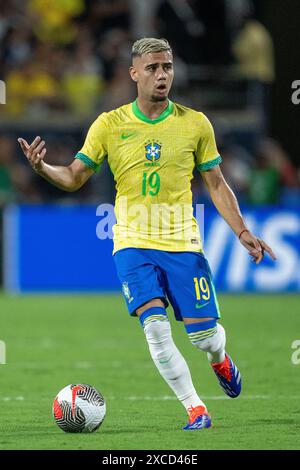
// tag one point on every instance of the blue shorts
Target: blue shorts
(182, 278)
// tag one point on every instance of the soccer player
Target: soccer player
(152, 146)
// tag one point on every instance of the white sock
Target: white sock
(214, 346)
(170, 363)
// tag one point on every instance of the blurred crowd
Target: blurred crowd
(71, 57)
(265, 176)
(63, 55)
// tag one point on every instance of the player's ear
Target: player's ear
(133, 73)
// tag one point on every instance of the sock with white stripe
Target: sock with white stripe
(210, 337)
(167, 358)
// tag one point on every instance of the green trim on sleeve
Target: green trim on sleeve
(208, 165)
(87, 161)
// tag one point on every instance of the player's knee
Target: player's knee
(207, 336)
(159, 339)
(214, 343)
(157, 331)
(161, 345)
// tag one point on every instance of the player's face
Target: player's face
(153, 73)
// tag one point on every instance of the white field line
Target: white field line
(19, 398)
(173, 398)
(210, 397)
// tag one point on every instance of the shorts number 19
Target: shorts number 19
(202, 288)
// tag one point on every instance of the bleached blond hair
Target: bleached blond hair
(148, 45)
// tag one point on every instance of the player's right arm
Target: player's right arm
(86, 162)
(208, 160)
(68, 178)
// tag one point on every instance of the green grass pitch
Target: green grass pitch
(52, 341)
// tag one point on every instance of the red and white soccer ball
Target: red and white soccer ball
(79, 408)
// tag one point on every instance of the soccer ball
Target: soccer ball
(79, 408)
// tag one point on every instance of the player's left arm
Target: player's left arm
(227, 205)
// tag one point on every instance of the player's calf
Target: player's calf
(210, 337)
(167, 358)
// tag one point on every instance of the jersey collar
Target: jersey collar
(138, 113)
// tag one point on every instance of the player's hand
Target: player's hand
(256, 247)
(34, 152)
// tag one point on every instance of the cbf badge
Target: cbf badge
(126, 292)
(153, 150)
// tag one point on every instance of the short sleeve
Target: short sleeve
(94, 149)
(207, 155)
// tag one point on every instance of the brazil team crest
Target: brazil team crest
(153, 151)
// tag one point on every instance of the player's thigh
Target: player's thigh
(150, 304)
(190, 321)
(190, 287)
(140, 279)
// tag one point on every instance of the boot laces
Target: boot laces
(224, 368)
(195, 412)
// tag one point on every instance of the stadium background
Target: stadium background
(63, 62)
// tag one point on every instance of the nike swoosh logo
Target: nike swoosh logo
(201, 306)
(126, 136)
(165, 362)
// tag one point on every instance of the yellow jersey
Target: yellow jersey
(153, 162)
